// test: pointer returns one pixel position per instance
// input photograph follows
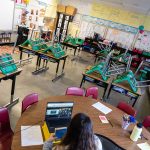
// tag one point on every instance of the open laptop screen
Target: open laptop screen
(59, 109)
(58, 114)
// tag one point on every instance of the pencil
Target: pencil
(110, 123)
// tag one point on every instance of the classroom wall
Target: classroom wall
(86, 22)
(6, 14)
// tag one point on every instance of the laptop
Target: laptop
(58, 114)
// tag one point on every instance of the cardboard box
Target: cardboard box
(61, 8)
(70, 10)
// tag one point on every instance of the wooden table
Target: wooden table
(46, 57)
(36, 113)
(11, 76)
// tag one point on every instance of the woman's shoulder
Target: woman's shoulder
(96, 137)
(98, 142)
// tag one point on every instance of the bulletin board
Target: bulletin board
(6, 14)
(83, 28)
(88, 29)
(143, 41)
(120, 16)
(124, 38)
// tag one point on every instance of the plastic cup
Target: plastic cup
(125, 124)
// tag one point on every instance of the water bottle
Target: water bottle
(136, 132)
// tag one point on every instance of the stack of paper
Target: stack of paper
(104, 109)
(31, 135)
(144, 146)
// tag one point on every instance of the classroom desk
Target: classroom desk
(35, 115)
(108, 85)
(124, 88)
(66, 45)
(96, 79)
(46, 57)
(98, 55)
(12, 77)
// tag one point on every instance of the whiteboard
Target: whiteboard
(88, 29)
(6, 14)
(124, 38)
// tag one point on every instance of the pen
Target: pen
(110, 123)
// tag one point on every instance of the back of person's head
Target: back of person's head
(80, 135)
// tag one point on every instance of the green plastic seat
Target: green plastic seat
(7, 65)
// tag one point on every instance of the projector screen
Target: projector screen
(6, 14)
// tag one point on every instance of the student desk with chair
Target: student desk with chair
(125, 89)
(108, 85)
(11, 76)
(75, 47)
(35, 115)
(96, 79)
(45, 57)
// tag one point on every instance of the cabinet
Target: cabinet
(62, 26)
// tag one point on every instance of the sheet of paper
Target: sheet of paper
(103, 119)
(104, 109)
(31, 135)
(144, 146)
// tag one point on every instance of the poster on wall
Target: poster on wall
(143, 41)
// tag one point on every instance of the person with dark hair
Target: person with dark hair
(79, 136)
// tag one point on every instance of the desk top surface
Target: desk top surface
(2, 76)
(127, 87)
(95, 75)
(35, 115)
(40, 52)
(123, 85)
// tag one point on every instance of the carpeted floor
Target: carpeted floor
(8, 50)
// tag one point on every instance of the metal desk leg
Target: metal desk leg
(135, 100)
(103, 97)
(56, 76)
(108, 93)
(46, 63)
(62, 73)
(20, 54)
(57, 67)
(38, 64)
(64, 65)
(12, 100)
(75, 51)
(82, 81)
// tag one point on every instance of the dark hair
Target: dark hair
(80, 134)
